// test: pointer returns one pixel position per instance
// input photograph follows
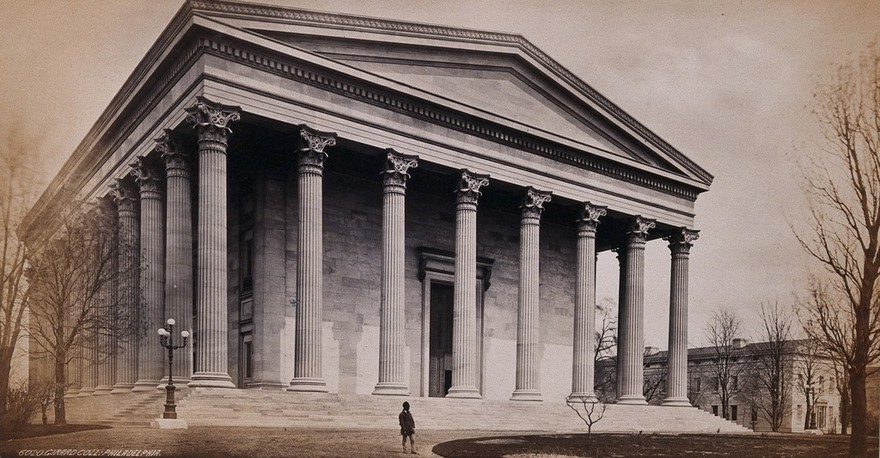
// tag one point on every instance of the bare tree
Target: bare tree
(808, 363)
(606, 335)
(843, 184)
(590, 416)
(17, 184)
(773, 365)
(69, 278)
(721, 332)
(654, 385)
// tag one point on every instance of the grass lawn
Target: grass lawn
(635, 445)
(281, 442)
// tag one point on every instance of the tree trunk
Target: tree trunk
(807, 416)
(5, 369)
(844, 412)
(858, 441)
(60, 383)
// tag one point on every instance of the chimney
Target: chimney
(739, 343)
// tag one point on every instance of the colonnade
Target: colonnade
(155, 237)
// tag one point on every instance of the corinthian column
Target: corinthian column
(464, 314)
(528, 363)
(106, 339)
(178, 243)
(631, 347)
(127, 287)
(676, 381)
(583, 367)
(392, 319)
(211, 121)
(150, 362)
(310, 255)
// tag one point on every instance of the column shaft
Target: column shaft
(152, 273)
(392, 318)
(179, 259)
(583, 348)
(632, 347)
(127, 288)
(307, 363)
(677, 378)
(464, 314)
(211, 121)
(528, 362)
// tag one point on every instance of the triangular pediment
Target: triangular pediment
(500, 77)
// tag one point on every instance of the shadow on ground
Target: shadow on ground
(639, 445)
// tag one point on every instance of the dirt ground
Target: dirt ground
(280, 442)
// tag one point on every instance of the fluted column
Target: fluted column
(464, 314)
(128, 288)
(178, 243)
(307, 371)
(583, 347)
(528, 362)
(631, 347)
(211, 121)
(106, 338)
(392, 320)
(150, 361)
(676, 381)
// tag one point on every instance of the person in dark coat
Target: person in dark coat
(407, 428)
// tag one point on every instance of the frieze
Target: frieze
(528, 47)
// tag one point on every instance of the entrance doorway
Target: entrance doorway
(440, 365)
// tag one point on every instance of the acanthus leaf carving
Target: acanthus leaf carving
(469, 185)
(397, 167)
(312, 146)
(590, 215)
(533, 203)
(212, 119)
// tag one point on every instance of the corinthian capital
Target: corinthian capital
(397, 167)
(211, 119)
(533, 203)
(469, 185)
(312, 144)
(171, 151)
(682, 239)
(639, 227)
(124, 194)
(147, 176)
(590, 215)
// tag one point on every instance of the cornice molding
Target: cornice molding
(398, 27)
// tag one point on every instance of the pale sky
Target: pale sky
(729, 84)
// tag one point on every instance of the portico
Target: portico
(360, 227)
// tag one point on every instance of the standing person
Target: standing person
(407, 428)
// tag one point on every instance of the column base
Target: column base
(676, 402)
(211, 380)
(632, 400)
(145, 385)
(307, 385)
(122, 388)
(464, 392)
(102, 390)
(86, 392)
(526, 395)
(71, 393)
(390, 389)
(589, 398)
(265, 385)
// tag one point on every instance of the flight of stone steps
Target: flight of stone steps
(276, 408)
(126, 409)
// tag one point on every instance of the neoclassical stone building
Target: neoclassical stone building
(352, 205)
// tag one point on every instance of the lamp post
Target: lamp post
(166, 339)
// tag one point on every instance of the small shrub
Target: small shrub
(23, 403)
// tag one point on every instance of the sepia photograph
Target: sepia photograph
(487, 228)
